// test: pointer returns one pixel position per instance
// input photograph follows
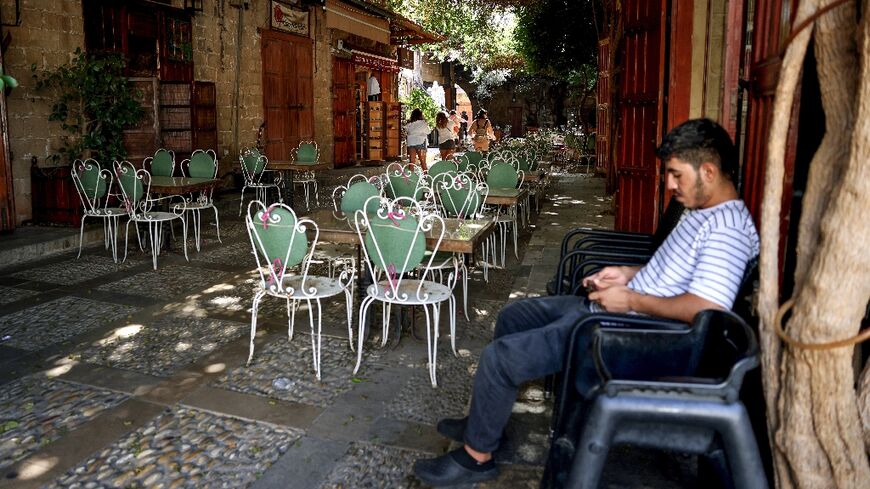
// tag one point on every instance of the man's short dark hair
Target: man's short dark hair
(697, 141)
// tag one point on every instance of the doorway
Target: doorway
(288, 100)
(344, 109)
(516, 118)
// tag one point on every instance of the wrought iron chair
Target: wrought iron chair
(502, 175)
(253, 165)
(462, 197)
(404, 182)
(280, 245)
(201, 164)
(93, 185)
(394, 241)
(442, 166)
(307, 153)
(136, 188)
(162, 164)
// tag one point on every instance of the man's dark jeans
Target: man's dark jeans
(531, 338)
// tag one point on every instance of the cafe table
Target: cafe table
(181, 185)
(288, 167)
(506, 196)
(460, 236)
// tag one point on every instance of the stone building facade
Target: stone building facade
(226, 50)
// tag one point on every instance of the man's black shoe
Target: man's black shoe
(456, 467)
(453, 428)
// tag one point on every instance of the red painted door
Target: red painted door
(288, 101)
(639, 114)
(343, 112)
(7, 193)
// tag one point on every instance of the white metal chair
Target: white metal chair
(94, 185)
(307, 153)
(201, 164)
(162, 164)
(136, 188)
(502, 175)
(253, 166)
(394, 241)
(281, 246)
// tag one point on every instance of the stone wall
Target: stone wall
(51, 30)
(49, 33)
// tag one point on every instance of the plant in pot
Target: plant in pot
(93, 102)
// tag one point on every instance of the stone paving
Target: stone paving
(116, 375)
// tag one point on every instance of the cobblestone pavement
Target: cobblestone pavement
(117, 375)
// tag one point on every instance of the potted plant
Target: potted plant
(93, 102)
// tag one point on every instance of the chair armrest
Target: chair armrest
(600, 232)
(570, 260)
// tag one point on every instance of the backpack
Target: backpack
(480, 131)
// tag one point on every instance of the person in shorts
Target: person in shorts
(446, 135)
(416, 131)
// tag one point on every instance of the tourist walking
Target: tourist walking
(446, 135)
(417, 130)
(481, 131)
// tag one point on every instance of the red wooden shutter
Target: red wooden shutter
(640, 114)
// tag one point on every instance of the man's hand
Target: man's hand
(608, 277)
(615, 298)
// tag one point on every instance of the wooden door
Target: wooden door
(639, 114)
(343, 112)
(516, 118)
(288, 101)
(204, 116)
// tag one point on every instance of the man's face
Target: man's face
(688, 185)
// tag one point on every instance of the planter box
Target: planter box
(55, 199)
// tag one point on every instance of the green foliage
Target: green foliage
(557, 37)
(93, 102)
(479, 34)
(420, 99)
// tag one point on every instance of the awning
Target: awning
(374, 61)
(354, 21)
(404, 32)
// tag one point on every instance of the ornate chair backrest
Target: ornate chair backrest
(503, 175)
(135, 187)
(394, 240)
(162, 163)
(404, 183)
(92, 184)
(473, 157)
(358, 195)
(201, 164)
(442, 166)
(522, 162)
(461, 196)
(306, 153)
(253, 165)
(280, 242)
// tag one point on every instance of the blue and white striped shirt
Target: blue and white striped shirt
(705, 255)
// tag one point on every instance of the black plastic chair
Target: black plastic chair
(581, 244)
(656, 384)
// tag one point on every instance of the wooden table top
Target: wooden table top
(460, 236)
(289, 165)
(181, 185)
(506, 196)
(534, 176)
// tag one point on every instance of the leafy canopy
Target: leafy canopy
(94, 103)
(420, 99)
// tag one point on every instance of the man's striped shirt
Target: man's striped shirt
(705, 255)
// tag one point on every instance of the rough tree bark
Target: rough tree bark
(817, 430)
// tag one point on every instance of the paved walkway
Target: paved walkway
(116, 375)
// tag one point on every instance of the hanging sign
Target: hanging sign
(289, 20)
(374, 62)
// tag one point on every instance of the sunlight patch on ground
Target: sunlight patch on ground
(37, 466)
(121, 333)
(215, 368)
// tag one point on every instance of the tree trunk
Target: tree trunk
(768, 294)
(818, 429)
(864, 404)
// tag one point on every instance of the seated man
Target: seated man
(699, 266)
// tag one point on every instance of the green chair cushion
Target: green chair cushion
(405, 186)
(357, 195)
(131, 186)
(474, 157)
(307, 153)
(400, 243)
(201, 165)
(272, 239)
(502, 175)
(92, 182)
(253, 163)
(161, 163)
(440, 167)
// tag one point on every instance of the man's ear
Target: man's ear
(709, 171)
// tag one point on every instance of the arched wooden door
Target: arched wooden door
(288, 98)
(639, 114)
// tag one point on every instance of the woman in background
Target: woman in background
(417, 130)
(481, 131)
(446, 135)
